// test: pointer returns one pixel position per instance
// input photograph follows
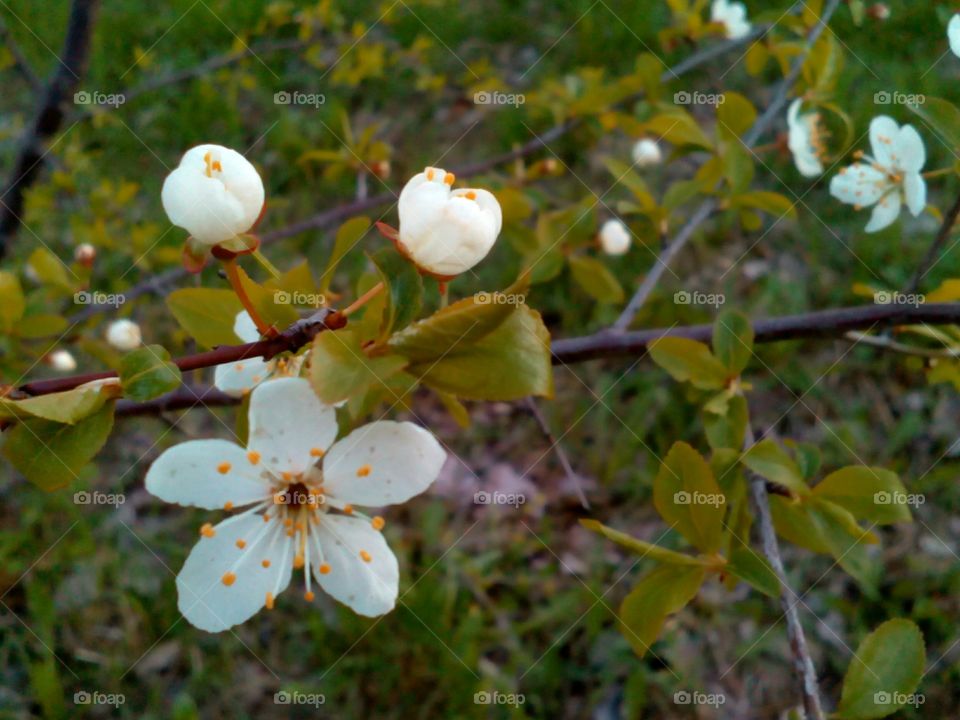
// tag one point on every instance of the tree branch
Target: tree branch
(930, 259)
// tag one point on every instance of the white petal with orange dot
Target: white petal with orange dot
(361, 570)
(207, 474)
(287, 421)
(241, 377)
(382, 463)
(885, 212)
(221, 584)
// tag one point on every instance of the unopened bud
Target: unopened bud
(62, 361)
(85, 254)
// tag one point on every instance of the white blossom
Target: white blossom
(733, 15)
(614, 237)
(805, 140)
(62, 361)
(647, 152)
(953, 34)
(124, 334)
(240, 377)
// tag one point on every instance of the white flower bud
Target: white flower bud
(614, 237)
(62, 361)
(215, 194)
(85, 254)
(444, 231)
(124, 334)
(647, 152)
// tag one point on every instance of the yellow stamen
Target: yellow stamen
(229, 579)
(363, 471)
(348, 509)
(297, 562)
(309, 596)
(253, 456)
(265, 563)
(241, 544)
(449, 178)
(430, 174)
(223, 468)
(228, 505)
(365, 556)
(324, 569)
(316, 452)
(288, 476)
(207, 530)
(269, 602)
(470, 195)
(378, 523)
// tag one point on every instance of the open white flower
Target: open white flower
(953, 34)
(215, 194)
(124, 334)
(647, 152)
(733, 15)
(889, 178)
(300, 515)
(444, 231)
(240, 377)
(805, 140)
(614, 237)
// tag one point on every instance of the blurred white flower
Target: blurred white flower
(240, 377)
(889, 178)
(647, 152)
(614, 237)
(85, 254)
(124, 334)
(62, 361)
(805, 140)
(215, 194)
(953, 34)
(444, 231)
(733, 15)
(297, 515)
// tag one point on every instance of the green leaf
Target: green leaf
(942, 115)
(679, 128)
(298, 279)
(595, 279)
(729, 429)
(885, 671)
(869, 493)
(738, 167)
(733, 341)
(50, 454)
(689, 361)
(49, 268)
(767, 460)
(663, 592)
(348, 235)
(507, 364)
(147, 373)
(40, 325)
(340, 369)
(63, 407)
(807, 456)
(273, 306)
(640, 547)
(625, 174)
(404, 289)
(754, 570)
(735, 115)
(206, 314)
(774, 204)
(687, 496)
(12, 302)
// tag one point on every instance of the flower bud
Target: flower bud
(215, 194)
(446, 232)
(381, 168)
(124, 334)
(647, 152)
(614, 237)
(62, 361)
(85, 254)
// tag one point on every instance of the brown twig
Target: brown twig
(930, 259)
(558, 449)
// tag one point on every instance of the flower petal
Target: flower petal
(884, 213)
(915, 191)
(884, 133)
(289, 426)
(207, 474)
(382, 463)
(859, 184)
(244, 327)
(239, 377)
(911, 155)
(205, 598)
(202, 206)
(953, 34)
(362, 571)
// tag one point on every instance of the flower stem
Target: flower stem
(233, 275)
(444, 293)
(267, 265)
(937, 173)
(363, 299)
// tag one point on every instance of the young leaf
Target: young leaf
(273, 306)
(729, 429)
(733, 341)
(63, 407)
(689, 360)
(754, 570)
(885, 670)
(687, 496)
(735, 115)
(595, 279)
(12, 302)
(206, 314)
(147, 373)
(640, 547)
(663, 592)
(348, 235)
(50, 454)
(768, 461)
(404, 289)
(872, 494)
(942, 115)
(340, 369)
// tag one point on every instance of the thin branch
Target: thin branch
(183, 398)
(931, 259)
(707, 207)
(20, 60)
(555, 445)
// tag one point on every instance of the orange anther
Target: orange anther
(316, 452)
(449, 178)
(309, 596)
(269, 602)
(265, 563)
(363, 471)
(324, 569)
(253, 456)
(228, 505)
(365, 556)
(207, 530)
(378, 523)
(229, 579)
(241, 544)
(223, 468)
